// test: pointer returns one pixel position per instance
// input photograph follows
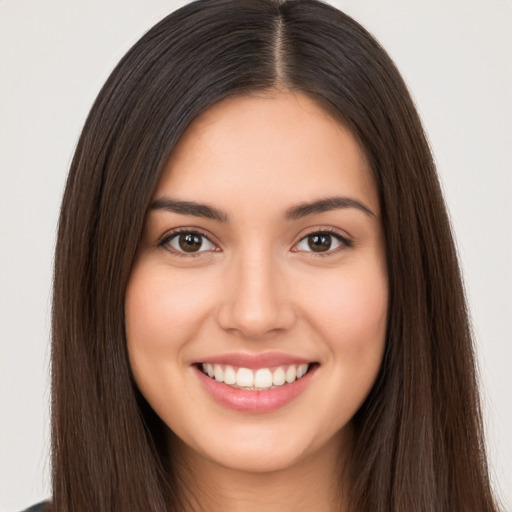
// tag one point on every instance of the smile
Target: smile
(254, 379)
(251, 384)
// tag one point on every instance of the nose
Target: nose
(255, 300)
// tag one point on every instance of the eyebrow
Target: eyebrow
(189, 208)
(293, 213)
(325, 205)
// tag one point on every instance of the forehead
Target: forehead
(272, 147)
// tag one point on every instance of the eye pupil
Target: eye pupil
(319, 242)
(190, 242)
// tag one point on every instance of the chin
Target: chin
(261, 449)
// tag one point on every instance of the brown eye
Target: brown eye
(319, 242)
(188, 242)
(322, 242)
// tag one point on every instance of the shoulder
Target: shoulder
(38, 507)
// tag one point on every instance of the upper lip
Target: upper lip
(254, 361)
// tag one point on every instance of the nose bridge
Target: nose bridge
(255, 301)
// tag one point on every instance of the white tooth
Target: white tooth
(244, 378)
(203, 366)
(278, 377)
(229, 375)
(291, 373)
(209, 369)
(301, 370)
(219, 374)
(263, 378)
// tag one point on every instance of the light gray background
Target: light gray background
(54, 55)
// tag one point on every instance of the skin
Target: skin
(256, 287)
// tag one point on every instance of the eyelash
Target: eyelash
(165, 242)
(345, 242)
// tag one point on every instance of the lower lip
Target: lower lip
(254, 401)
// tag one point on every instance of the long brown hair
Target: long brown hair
(418, 436)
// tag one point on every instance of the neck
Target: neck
(313, 483)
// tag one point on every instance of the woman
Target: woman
(253, 194)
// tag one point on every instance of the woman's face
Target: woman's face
(262, 256)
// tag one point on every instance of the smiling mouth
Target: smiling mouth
(261, 379)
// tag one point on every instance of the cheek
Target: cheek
(350, 314)
(162, 313)
(350, 308)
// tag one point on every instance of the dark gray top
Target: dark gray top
(39, 507)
